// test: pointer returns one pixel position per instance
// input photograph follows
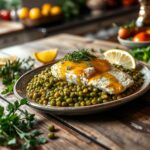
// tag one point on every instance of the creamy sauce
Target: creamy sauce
(101, 66)
(77, 68)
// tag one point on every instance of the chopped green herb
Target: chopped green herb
(80, 55)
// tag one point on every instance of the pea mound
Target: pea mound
(47, 90)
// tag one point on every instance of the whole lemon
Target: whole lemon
(35, 13)
(23, 13)
(46, 9)
(46, 6)
(56, 10)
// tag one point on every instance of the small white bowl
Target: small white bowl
(131, 44)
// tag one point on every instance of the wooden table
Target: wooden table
(9, 27)
(126, 127)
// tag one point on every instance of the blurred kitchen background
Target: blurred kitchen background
(26, 20)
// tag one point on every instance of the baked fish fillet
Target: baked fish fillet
(100, 75)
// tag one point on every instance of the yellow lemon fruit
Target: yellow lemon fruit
(35, 13)
(120, 57)
(56, 10)
(23, 13)
(46, 56)
(47, 6)
(46, 9)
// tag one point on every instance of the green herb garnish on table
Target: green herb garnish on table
(11, 72)
(142, 54)
(80, 55)
(17, 127)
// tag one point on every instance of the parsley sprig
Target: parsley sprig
(80, 55)
(142, 54)
(17, 127)
(11, 71)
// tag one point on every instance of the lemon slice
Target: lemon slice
(46, 56)
(5, 59)
(120, 57)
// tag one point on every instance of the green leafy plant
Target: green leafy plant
(17, 127)
(141, 53)
(11, 71)
(71, 8)
(2, 4)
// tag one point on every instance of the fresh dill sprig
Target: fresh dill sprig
(80, 55)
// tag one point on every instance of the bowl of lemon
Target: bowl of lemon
(37, 16)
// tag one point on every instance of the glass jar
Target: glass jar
(144, 14)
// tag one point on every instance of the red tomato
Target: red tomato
(5, 14)
(124, 33)
(129, 2)
(141, 37)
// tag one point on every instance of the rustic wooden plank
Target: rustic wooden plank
(127, 126)
(124, 128)
(67, 138)
(8, 27)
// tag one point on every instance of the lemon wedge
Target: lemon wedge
(5, 59)
(46, 56)
(120, 57)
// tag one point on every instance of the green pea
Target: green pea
(52, 103)
(99, 100)
(104, 101)
(71, 105)
(94, 101)
(104, 96)
(88, 102)
(72, 94)
(58, 103)
(77, 104)
(82, 103)
(64, 104)
(86, 99)
(51, 136)
(85, 90)
(45, 102)
(52, 128)
(80, 98)
(69, 100)
(80, 93)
